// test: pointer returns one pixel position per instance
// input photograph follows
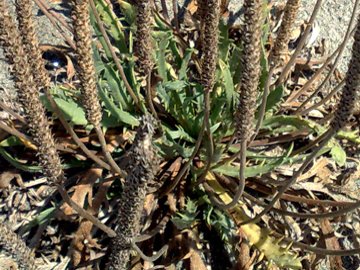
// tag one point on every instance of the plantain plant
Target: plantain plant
(203, 105)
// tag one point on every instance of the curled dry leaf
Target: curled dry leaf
(83, 191)
(83, 242)
(7, 176)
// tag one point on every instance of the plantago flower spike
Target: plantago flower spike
(143, 48)
(248, 88)
(29, 97)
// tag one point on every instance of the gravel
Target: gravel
(332, 20)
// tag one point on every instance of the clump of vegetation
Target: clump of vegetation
(176, 137)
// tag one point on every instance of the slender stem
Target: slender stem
(300, 45)
(11, 112)
(152, 258)
(324, 100)
(338, 57)
(149, 234)
(113, 54)
(330, 214)
(317, 250)
(58, 17)
(209, 135)
(239, 190)
(186, 166)
(164, 10)
(23, 137)
(310, 145)
(53, 21)
(149, 97)
(262, 109)
(329, 134)
(15, 132)
(83, 213)
(72, 133)
(106, 153)
(175, 11)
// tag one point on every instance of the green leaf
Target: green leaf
(224, 41)
(17, 164)
(117, 88)
(274, 97)
(128, 11)
(72, 111)
(11, 141)
(338, 154)
(122, 116)
(252, 171)
(113, 25)
(185, 63)
(264, 68)
(289, 120)
(235, 63)
(187, 217)
(175, 85)
(161, 57)
(228, 84)
(44, 216)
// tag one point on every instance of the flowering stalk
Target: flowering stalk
(141, 171)
(31, 44)
(350, 92)
(248, 88)
(284, 32)
(251, 68)
(34, 111)
(29, 97)
(210, 10)
(87, 74)
(143, 48)
(15, 247)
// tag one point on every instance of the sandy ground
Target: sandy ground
(332, 20)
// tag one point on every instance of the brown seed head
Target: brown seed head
(351, 91)
(143, 46)
(210, 10)
(29, 96)
(15, 247)
(284, 32)
(87, 75)
(250, 68)
(141, 172)
(31, 43)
